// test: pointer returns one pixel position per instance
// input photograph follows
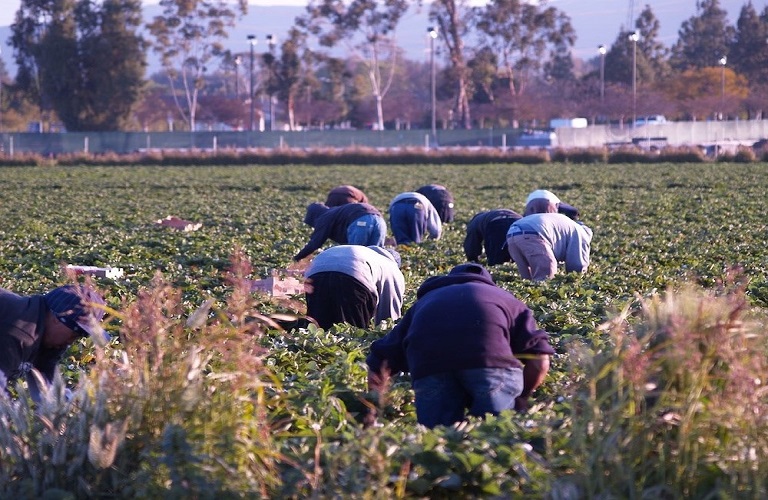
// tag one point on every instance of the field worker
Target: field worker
(35, 331)
(341, 195)
(538, 241)
(411, 216)
(489, 229)
(469, 346)
(354, 284)
(543, 201)
(441, 199)
(350, 224)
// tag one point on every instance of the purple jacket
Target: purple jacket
(459, 321)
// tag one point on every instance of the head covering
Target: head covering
(314, 210)
(471, 268)
(543, 193)
(77, 307)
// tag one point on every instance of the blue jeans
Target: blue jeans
(408, 219)
(368, 230)
(442, 399)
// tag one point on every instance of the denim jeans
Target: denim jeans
(368, 230)
(442, 399)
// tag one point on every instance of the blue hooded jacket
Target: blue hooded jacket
(459, 321)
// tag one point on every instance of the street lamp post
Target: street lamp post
(432, 35)
(723, 61)
(252, 40)
(271, 41)
(238, 61)
(602, 50)
(634, 37)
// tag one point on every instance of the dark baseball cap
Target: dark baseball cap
(79, 309)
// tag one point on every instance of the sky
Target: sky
(596, 21)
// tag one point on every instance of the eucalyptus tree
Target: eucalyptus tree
(82, 59)
(525, 35)
(291, 72)
(653, 50)
(704, 38)
(188, 37)
(367, 28)
(453, 18)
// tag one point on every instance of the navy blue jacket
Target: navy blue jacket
(459, 321)
(332, 223)
(21, 335)
(441, 199)
(489, 230)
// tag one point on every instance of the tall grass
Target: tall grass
(678, 408)
(220, 403)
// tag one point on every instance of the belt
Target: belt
(516, 232)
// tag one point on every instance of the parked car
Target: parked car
(650, 120)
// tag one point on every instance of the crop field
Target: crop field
(678, 249)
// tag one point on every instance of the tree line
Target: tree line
(506, 64)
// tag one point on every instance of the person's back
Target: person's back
(353, 223)
(460, 341)
(537, 242)
(489, 230)
(354, 284)
(411, 216)
(441, 199)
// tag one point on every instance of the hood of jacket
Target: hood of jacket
(463, 273)
(314, 210)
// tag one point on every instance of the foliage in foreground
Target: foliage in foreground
(188, 407)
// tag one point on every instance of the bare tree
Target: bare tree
(188, 36)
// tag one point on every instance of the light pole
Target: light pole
(723, 61)
(602, 50)
(271, 41)
(238, 61)
(432, 35)
(634, 37)
(252, 40)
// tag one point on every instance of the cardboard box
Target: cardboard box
(281, 283)
(176, 223)
(99, 272)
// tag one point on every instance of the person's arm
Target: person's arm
(315, 241)
(434, 225)
(578, 249)
(535, 369)
(473, 241)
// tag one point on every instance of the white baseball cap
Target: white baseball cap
(542, 193)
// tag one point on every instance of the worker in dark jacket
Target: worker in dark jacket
(341, 195)
(468, 345)
(412, 217)
(35, 331)
(351, 224)
(489, 229)
(441, 199)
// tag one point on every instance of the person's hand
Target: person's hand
(522, 404)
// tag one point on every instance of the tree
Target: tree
(334, 21)
(748, 53)
(452, 20)
(188, 35)
(82, 59)
(521, 32)
(289, 72)
(704, 38)
(654, 52)
(700, 92)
